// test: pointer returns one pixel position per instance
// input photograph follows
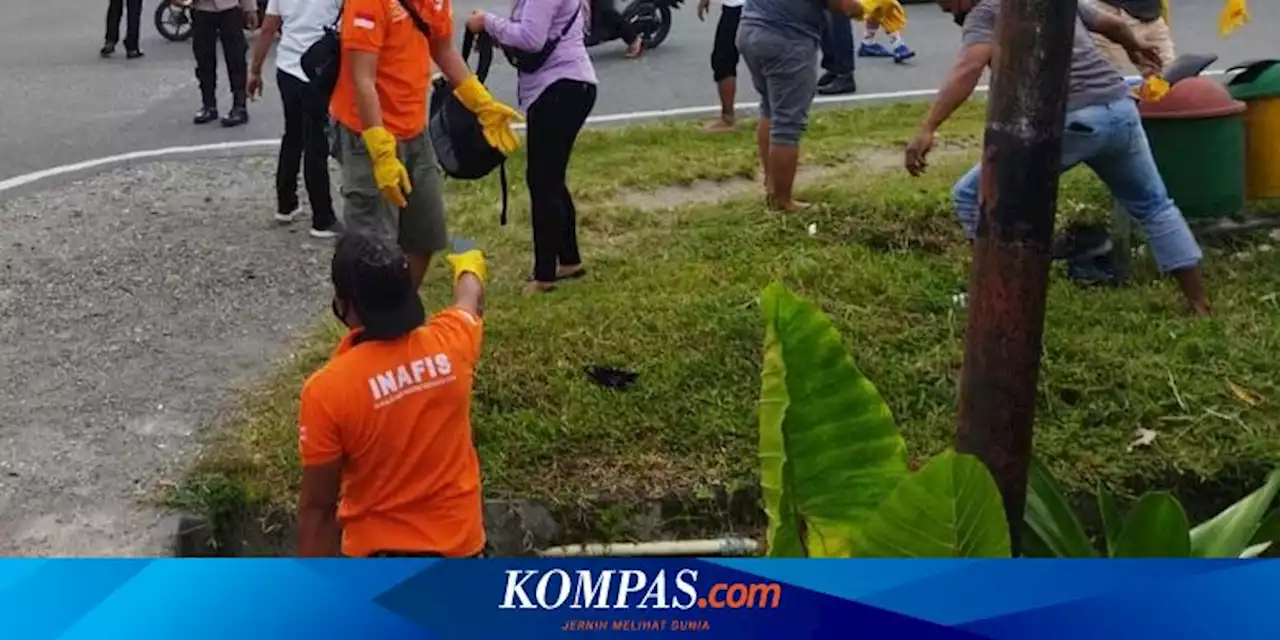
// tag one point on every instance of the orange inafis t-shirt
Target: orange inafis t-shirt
(398, 416)
(404, 61)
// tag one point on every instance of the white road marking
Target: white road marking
(632, 116)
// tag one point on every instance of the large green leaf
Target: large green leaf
(949, 509)
(1049, 517)
(1112, 521)
(829, 450)
(1156, 528)
(1269, 530)
(1229, 533)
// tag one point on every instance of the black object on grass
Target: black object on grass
(612, 378)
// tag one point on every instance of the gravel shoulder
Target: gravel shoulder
(134, 305)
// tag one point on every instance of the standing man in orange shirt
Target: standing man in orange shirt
(388, 464)
(391, 185)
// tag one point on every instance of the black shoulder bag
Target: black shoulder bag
(322, 61)
(456, 135)
(531, 61)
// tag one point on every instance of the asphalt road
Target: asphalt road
(60, 103)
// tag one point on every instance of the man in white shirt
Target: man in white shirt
(724, 60)
(305, 141)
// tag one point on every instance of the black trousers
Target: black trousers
(207, 29)
(115, 11)
(555, 119)
(724, 54)
(305, 145)
(608, 17)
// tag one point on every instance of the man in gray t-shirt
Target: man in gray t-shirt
(1093, 80)
(1102, 130)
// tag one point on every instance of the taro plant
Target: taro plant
(1155, 527)
(833, 466)
(835, 481)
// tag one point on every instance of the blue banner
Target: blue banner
(403, 599)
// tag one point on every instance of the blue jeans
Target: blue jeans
(1111, 141)
(837, 44)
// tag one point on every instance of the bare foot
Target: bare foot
(790, 206)
(636, 48)
(1201, 309)
(719, 125)
(539, 287)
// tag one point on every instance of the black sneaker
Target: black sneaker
(205, 115)
(237, 117)
(107, 50)
(840, 84)
(1082, 242)
(826, 78)
(133, 54)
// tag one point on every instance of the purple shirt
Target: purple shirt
(532, 23)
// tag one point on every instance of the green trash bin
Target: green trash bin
(1197, 136)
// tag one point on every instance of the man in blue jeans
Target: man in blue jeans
(1103, 130)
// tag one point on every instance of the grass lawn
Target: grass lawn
(672, 295)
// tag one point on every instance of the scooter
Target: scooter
(173, 18)
(650, 18)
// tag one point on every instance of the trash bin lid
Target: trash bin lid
(1196, 98)
(1257, 79)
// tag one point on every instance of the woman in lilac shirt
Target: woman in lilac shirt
(557, 96)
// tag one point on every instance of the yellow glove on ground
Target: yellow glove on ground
(388, 172)
(1235, 13)
(467, 262)
(888, 13)
(495, 118)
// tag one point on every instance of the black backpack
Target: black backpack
(456, 135)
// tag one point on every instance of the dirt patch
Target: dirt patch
(713, 191)
(133, 305)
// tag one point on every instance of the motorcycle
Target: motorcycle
(650, 18)
(173, 18)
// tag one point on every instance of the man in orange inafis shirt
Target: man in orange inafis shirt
(388, 464)
(391, 185)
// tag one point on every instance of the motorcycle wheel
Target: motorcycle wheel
(173, 22)
(653, 22)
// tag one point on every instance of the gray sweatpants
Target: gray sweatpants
(784, 70)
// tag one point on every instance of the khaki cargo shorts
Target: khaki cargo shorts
(1156, 32)
(419, 227)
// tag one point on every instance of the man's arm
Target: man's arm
(364, 75)
(319, 534)
(449, 59)
(468, 294)
(266, 38)
(1109, 27)
(964, 78)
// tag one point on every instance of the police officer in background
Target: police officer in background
(115, 11)
(222, 20)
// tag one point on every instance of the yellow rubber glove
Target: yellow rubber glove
(388, 172)
(1235, 13)
(1164, 11)
(889, 13)
(495, 118)
(1153, 89)
(467, 262)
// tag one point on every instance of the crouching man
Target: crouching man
(388, 464)
(1103, 130)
